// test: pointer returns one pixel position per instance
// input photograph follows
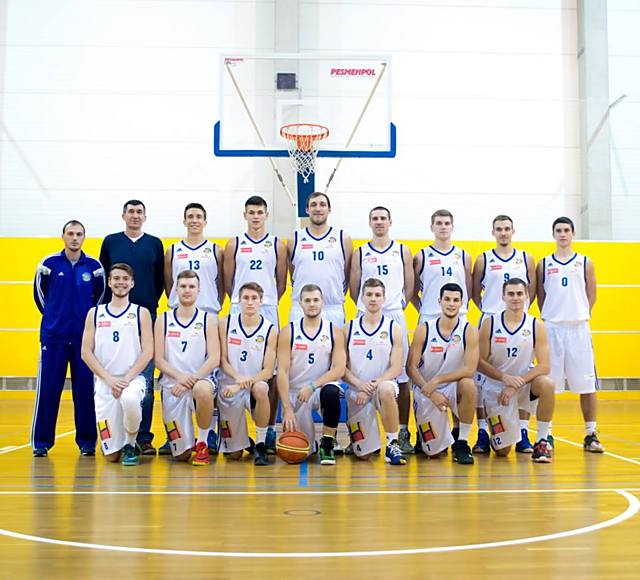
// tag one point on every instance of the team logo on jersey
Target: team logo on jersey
(519, 261)
(198, 326)
(356, 432)
(324, 338)
(207, 251)
(358, 342)
(500, 339)
(225, 429)
(395, 253)
(300, 346)
(173, 334)
(104, 429)
(104, 323)
(332, 240)
(384, 334)
(457, 256)
(456, 339)
(260, 339)
(526, 332)
(496, 425)
(236, 341)
(131, 315)
(86, 276)
(434, 262)
(307, 246)
(427, 432)
(173, 430)
(268, 244)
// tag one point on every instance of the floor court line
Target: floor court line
(633, 506)
(18, 447)
(620, 457)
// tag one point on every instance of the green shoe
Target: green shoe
(462, 453)
(327, 457)
(550, 440)
(129, 456)
(404, 441)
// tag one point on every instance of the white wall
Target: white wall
(114, 100)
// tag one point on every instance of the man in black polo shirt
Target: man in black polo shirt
(145, 254)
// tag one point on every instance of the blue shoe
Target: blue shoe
(165, 449)
(393, 454)
(129, 456)
(40, 452)
(482, 444)
(212, 442)
(524, 445)
(87, 451)
(270, 441)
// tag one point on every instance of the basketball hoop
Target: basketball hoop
(303, 140)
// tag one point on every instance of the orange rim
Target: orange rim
(304, 141)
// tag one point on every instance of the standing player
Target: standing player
(311, 362)
(205, 258)
(261, 258)
(492, 269)
(248, 351)
(390, 262)
(117, 345)
(438, 264)
(145, 254)
(374, 347)
(320, 254)
(187, 353)
(442, 362)
(66, 286)
(566, 295)
(509, 343)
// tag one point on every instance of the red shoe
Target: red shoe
(202, 454)
(542, 453)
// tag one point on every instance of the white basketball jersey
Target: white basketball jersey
(185, 345)
(512, 352)
(319, 261)
(246, 351)
(442, 355)
(117, 340)
(310, 355)
(256, 262)
(496, 272)
(388, 266)
(439, 269)
(370, 353)
(565, 286)
(202, 260)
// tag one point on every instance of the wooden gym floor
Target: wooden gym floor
(69, 516)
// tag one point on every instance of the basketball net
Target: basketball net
(303, 140)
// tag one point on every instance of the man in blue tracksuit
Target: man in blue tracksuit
(66, 286)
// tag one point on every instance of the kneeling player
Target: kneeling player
(117, 345)
(248, 351)
(374, 347)
(311, 361)
(187, 353)
(442, 362)
(509, 343)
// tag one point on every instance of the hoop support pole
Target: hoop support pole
(355, 128)
(259, 134)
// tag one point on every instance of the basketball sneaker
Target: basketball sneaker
(202, 454)
(40, 452)
(338, 449)
(393, 454)
(542, 453)
(404, 441)
(212, 442)
(87, 451)
(592, 444)
(260, 455)
(129, 456)
(327, 456)
(482, 444)
(147, 449)
(550, 441)
(348, 450)
(270, 441)
(462, 453)
(524, 445)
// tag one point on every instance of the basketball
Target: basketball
(292, 447)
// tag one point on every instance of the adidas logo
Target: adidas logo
(304, 239)
(233, 331)
(368, 254)
(243, 243)
(298, 337)
(101, 316)
(498, 331)
(434, 339)
(356, 333)
(171, 324)
(491, 261)
(60, 273)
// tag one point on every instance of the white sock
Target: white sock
(590, 427)
(261, 434)
(550, 426)
(465, 429)
(202, 434)
(391, 437)
(404, 428)
(213, 426)
(272, 427)
(482, 424)
(130, 439)
(543, 429)
(524, 424)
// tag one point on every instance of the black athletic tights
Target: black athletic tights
(330, 405)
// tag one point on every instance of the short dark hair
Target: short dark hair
(256, 200)
(451, 287)
(195, 205)
(441, 213)
(122, 266)
(514, 282)
(133, 202)
(310, 288)
(374, 283)
(251, 286)
(380, 208)
(188, 274)
(501, 218)
(563, 220)
(73, 223)
(318, 194)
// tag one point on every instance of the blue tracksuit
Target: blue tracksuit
(64, 293)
